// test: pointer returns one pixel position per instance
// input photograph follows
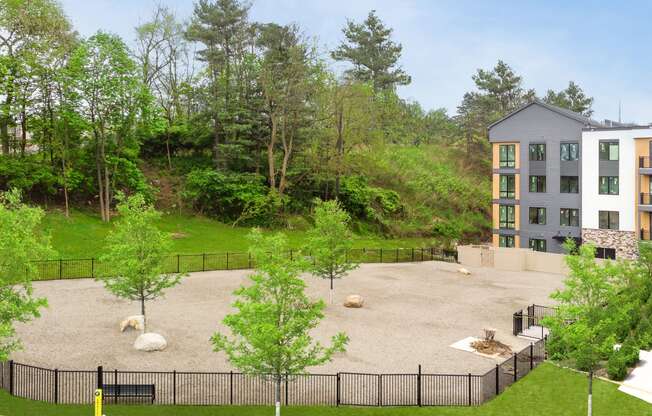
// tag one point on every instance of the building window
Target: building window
(507, 216)
(608, 185)
(569, 152)
(605, 253)
(608, 150)
(569, 217)
(538, 151)
(507, 154)
(569, 185)
(506, 241)
(537, 184)
(538, 244)
(608, 220)
(537, 216)
(507, 186)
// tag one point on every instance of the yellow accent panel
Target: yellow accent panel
(517, 241)
(644, 220)
(642, 148)
(517, 185)
(495, 155)
(517, 219)
(517, 157)
(495, 186)
(494, 240)
(495, 215)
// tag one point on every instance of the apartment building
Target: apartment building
(537, 176)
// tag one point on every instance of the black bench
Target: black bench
(117, 391)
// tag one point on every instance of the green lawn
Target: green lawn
(82, 235)
(548, 391)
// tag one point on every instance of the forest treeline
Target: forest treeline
(244, 121)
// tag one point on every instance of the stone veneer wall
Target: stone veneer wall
(625, 242)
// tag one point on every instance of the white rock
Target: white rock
(136, 322)
(463, 271)
(150, 342)
(354, 301)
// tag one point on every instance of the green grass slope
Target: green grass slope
(548, 391)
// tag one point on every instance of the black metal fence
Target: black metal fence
(528, 322)
(204, 388)
(183, 263)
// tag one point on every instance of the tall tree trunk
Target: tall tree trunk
(278, 395)
(142, 312)
(216, 143)
(23, 131)
(590, 401)
(340, 149)
(65, 185)
(167, 146)
(98, 167)
(270, 154)
(287, 152)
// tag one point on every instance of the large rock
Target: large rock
(463, 271)
(150, 342)
(354, 301)
(136, 322)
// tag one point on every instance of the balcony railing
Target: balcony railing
(645, 235)
(645, 199)
(644, 162)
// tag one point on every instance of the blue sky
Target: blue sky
(603, 46)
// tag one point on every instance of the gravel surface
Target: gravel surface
(412, 313)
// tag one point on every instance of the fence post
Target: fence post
(100, 377)
(337, 394)
(413, 254)
(515, 367)
(117, 386)
(11, 377)
(174, 387)
(470, 377)
(92, 267)
(381, 255)
(60, 268)
(396, 256)
(178, 261)
(380, 390)
(231, 388)
(545, 349)
(249, 261)
(291, 255)
(419, 387)
(497, 379)
(56, 386)
(203, 262)
(531, 356)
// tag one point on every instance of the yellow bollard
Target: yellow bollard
(98, 402)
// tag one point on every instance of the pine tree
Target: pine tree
(572, 98)
(369, 47)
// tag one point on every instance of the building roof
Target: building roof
(586, 121)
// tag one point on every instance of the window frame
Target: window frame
(538, 188)
(609, 220)
(569, 157)
(540, 214)
(532, 243)
(612, 185)
(567, 214)
(605, 149)
(505, 223)
(537, 152)
(569, 189)
(502, 241)
(505, 194)
(507, 162)
(602, 253)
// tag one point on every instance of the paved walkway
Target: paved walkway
(639, 381)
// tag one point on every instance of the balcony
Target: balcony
(645, 235)
(645, 199)
(645, 165)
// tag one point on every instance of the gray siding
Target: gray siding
(537, 124)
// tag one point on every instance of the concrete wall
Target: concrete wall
(512, 259)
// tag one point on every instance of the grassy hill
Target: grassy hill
(82, 235)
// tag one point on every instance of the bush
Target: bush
(617, 367)
(366, 202)
(241, 198)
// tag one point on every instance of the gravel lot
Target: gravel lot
(412, 313)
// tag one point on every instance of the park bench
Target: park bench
(137, 391)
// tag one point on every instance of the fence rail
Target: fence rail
(183, 263)
(528, 322)
(222, 388)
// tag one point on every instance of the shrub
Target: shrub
(366, 202)
(617, 367)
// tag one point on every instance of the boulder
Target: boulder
(463, 271)
(354, 301)
(150, 342)
(136, 322)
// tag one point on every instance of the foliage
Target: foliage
(368, 202)
(135, 253)
(572, 98)
(271, 327)
(20, 243)
(329, 242)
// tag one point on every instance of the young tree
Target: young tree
(587, 319)
(20, 244)
(135, 253)
(329, 242)
(274, 318)
(374, 55)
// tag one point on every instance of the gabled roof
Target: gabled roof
(586, 121)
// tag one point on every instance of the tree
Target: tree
(136, 252)
(20, 244)
(374, 55)
(572, 98)
(329, 242)
(274, 318)
(504, 86)
(587, 320)
(474, 114)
